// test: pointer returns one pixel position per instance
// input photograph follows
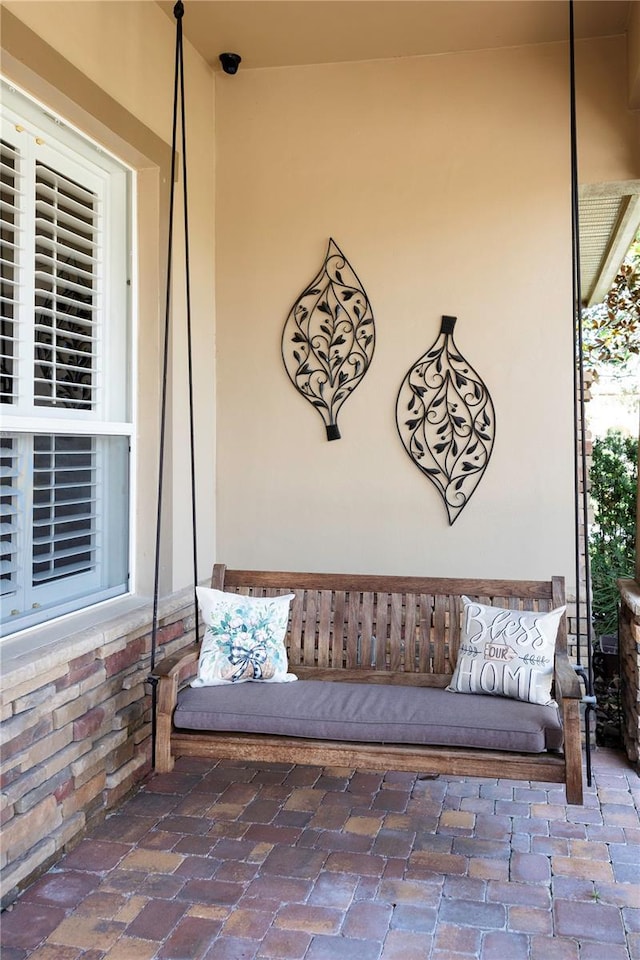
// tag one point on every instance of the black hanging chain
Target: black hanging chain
(179, 12)
(178, 108)
(579, 419)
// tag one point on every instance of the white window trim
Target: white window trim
(117, 391)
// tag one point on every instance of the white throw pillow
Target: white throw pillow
(506, 653)
(244, 638)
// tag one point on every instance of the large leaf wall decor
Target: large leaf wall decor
(446, 420)
(329, 338)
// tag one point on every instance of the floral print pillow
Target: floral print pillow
(244, 638)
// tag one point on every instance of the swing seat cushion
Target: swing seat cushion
(374, 713)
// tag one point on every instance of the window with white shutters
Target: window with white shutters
(64, 370)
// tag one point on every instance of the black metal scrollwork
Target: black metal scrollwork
(446, 420)
(329, 338)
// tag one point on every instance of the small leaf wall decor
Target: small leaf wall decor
(329, 338)
(446, 420)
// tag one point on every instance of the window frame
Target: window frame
(114, 415)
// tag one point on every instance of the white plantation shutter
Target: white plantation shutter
(64, 488)
(65, 499)
(9, 189)
(66, 264)
(9, 507)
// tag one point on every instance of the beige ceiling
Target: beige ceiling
(273, 33)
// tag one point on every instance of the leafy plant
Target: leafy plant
(614, 478)
(611, 330)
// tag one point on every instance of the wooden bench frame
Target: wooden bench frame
(333, 625)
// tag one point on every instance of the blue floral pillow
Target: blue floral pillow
(244, 638)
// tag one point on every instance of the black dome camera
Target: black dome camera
(230, 62)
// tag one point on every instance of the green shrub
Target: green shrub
(614, 478)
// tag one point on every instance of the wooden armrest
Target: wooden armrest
(567, 682)
(176, 664)
(170, 674)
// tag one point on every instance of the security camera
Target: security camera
(230, 62)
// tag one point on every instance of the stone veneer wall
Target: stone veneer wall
(629, 644)
(76, 735)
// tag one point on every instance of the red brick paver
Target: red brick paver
(249, 861)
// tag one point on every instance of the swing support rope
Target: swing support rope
(579, 421)
(178, 113)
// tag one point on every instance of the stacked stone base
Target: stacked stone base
(76, 735)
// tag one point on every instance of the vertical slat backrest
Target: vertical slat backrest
(397, 646)
(352, 644)
(324, 628)
(407, 658)
(454, 632)
(367, 642)
(403, 625)
(310, 627)
(338, 631)
(558, 599)
(295, 626)
(423, 634)
(439, 634)
(381, 655)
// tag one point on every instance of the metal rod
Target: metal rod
(178, 12)
(580, 431)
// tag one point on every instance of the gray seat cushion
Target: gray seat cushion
(375, 713)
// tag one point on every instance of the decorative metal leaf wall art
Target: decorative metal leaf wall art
(329, 338)
(446, 420)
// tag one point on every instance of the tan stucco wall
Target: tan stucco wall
(108, 68)
(445, 181)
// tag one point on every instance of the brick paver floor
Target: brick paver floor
(236, 861)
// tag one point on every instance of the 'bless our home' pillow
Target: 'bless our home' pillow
(506, 653)
(244, 638)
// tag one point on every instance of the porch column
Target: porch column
(629, 640)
